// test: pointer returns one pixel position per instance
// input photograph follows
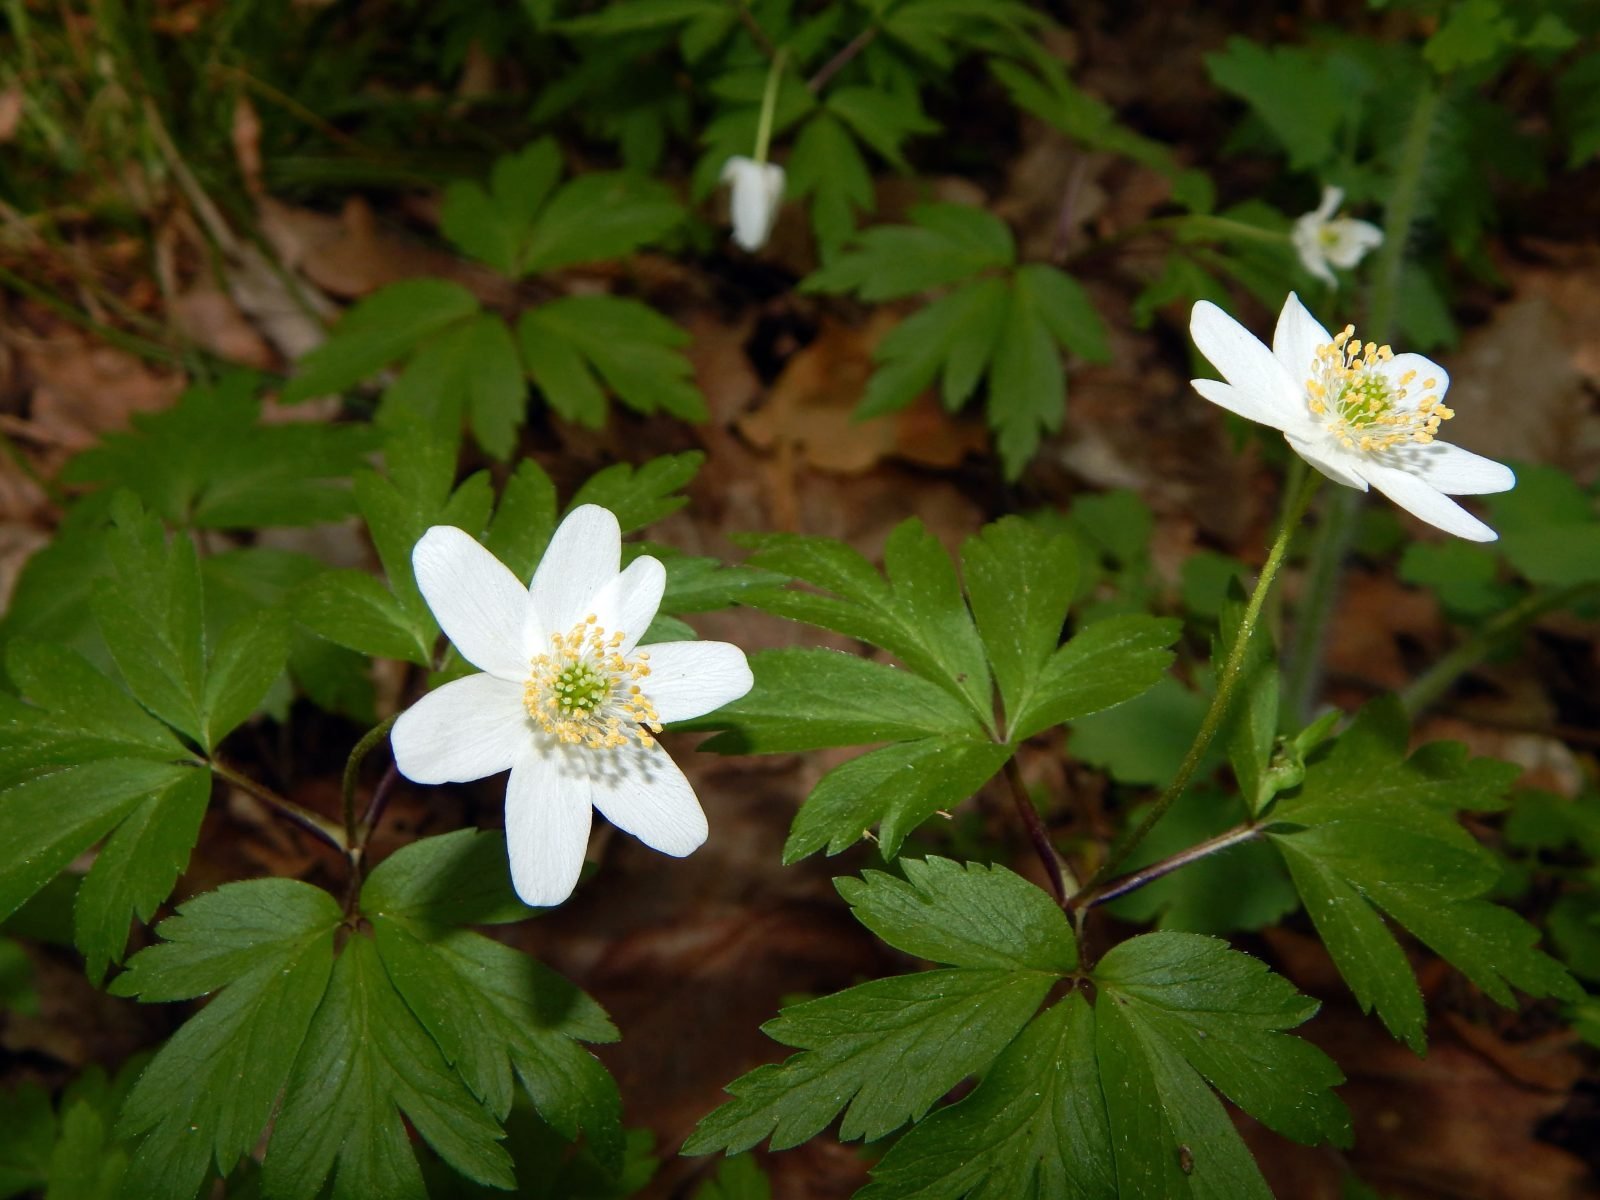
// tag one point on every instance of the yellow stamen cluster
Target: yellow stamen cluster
(1365, 409)
(585, 692)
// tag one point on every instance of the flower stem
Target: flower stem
(1227, 683)
(352, 771)
(753, 27)
(300, 815)
(1036, 831)
(840, 60)
(769, 105)
(1494, 633)
(1135, 880)
(1303, 655)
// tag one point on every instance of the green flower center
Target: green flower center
(585, 692)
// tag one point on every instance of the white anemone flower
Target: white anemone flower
(1321, 238)
(757, 192)
(567, 699)
(1360, 414)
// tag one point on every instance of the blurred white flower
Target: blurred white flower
(757, 192)
(567, 701)
(1359, 414)
(1321, 238)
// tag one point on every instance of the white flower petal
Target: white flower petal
(476, 599)
(1426, 504)
(1351, 241)
(1332, 197)
(1235, 401)
(547, 826)
(641, 790)
(757, 192)
(1327, 460)
(1297, 338)
(583, 557)
(462, 731)
(1421, 369)
(629, 602)
(1452, 470)
(1258, 379)
(1307, 239)
(690, 678)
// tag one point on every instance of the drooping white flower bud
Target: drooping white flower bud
(757, 192)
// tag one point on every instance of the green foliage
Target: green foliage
(85, 761)
(1549, 528)
(885, 1051)
(1081, 1100)
(66, 1152)
(463, 363)
(1324, 103)
(209, 462)
(353, 609)
(1372, 831)
(938, 710)
(1005, 323)
(523, 223)
(419, 1017)
(580, 347)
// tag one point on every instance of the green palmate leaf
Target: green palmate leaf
(826, 166)
(138, 866)
(952, 340)
(492, 1012)
(1103, 665)
(351, 608)
(522, 223)
(1020, 580)
(471, 368)
(209, 462)
(948, 243)
(266, 947)
(366, 1060)
(737, 1178)
(599, 216)
(1262, 76)
(642, 495)
(917, 613)
(152, 618)
(1550, 528)
(83, 762)
(1372, 830)
(810, 699)
(887, 1050)
(896, 788)
(1112, 1100)
(973, 916)
(578, 348)
(524, 520)
(1035, 1127)
(385, 327)
(1176, 1011)
(881, 119)
(27, 1131)
(69, 1153)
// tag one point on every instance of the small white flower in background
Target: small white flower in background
(1321, 238)
(757, 192)
(1360, 414)
(567, 701)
